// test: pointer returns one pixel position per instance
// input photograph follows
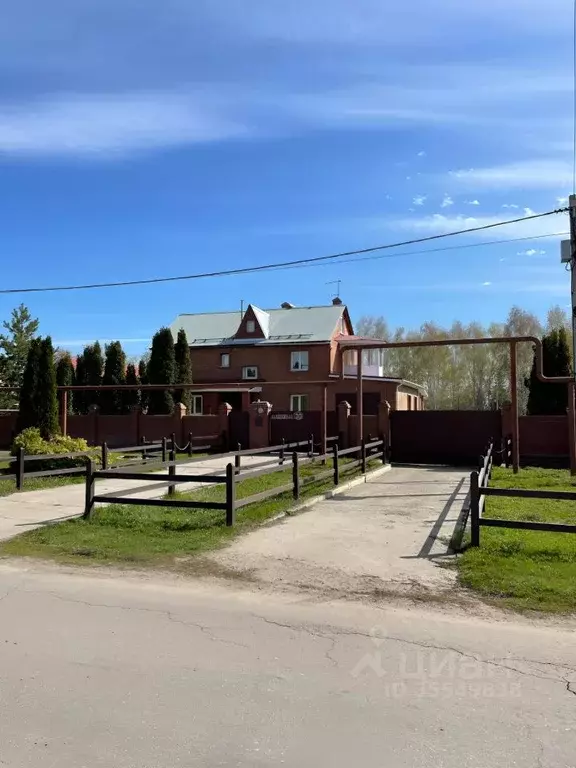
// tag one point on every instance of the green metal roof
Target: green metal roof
(298, 325)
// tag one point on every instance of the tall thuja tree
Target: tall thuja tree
(93, 368)
(161, 370)
(131, 396)
(78, 396)
(143, 378)
(46, 396)
(183, 369)
(112, 401)
(65, 376)
(28, 414)
(15, 343)
(544, 398)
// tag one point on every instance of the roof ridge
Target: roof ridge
(262, 309)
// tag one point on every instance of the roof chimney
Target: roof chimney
(287, 305)
(337, 301)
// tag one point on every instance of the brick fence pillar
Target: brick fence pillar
(224, 410)
(344, 409)
(260, 423)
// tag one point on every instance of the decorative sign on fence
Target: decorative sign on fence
(293, 416)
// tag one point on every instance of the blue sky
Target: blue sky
(142, 139)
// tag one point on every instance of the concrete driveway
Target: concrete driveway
(29, 509)
(388, 535)
(121, 670)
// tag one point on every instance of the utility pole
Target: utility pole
(572, 387)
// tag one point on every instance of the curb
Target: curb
(343, 488)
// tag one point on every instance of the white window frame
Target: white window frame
(195, 401)
(296, 403)
(297, 365)
(248, 368)
(225, 360)
(250, 326)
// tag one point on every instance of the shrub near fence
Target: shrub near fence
(480, 489)
(367, 451)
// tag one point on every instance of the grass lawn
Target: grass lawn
(141, 535)
(526, 570)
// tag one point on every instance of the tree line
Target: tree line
(478, 377)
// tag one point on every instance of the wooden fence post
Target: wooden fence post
(164, 450)
(238, 459)
(295, 477)
(311, 445)
(383, 438)
(281, 457)
(230, 495)
(190, 447)
(474, 510)
(104, 455)
(20, 469)
(363, 456)
(173, 442)
(89, 498)
(171, 471)
(335, 463)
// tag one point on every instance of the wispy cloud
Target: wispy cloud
(419, 200)
(472, 202)
(110, 124)
(513, 206)
(446, 202)
(439, 223)
(421, 154)
(532, 252)
(530, 174)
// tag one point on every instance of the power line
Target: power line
(294, 263)
(438, 250)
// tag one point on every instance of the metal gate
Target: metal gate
(442, 437)
(238, 429)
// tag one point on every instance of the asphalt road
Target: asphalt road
(125, 670)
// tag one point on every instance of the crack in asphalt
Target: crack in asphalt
(335, 632)
(158, 611)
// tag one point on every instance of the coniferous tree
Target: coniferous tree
(46, 396)
(161, 370)
(183, 369)
(65, 376)
(20, 330)
(143, 377)
(132, 396)
(545, 398)
(28, 415)
(93, 368)
(112, 401)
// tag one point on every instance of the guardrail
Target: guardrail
(368, 451)
(479, 490)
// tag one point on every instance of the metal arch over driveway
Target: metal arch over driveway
(360, 344)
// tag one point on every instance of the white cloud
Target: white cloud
(562, 200)
(487, 283)
(439, 224)
(532, 252)
(421, 154)
(419, 200)
(110, 124)
(472, 202)
(447, 202)
(511, 205)
(530, 174)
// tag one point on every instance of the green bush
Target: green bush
(34, 445)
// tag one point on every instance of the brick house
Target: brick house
(289, 356)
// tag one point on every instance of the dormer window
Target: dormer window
(250, 326)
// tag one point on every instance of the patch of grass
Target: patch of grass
(8, 487)
(526, 570)
(146, 535)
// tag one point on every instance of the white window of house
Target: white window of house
(250, 372)
(197, 405)
(250, 326)
(224, 360)
(298, 402)
(299, 361)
